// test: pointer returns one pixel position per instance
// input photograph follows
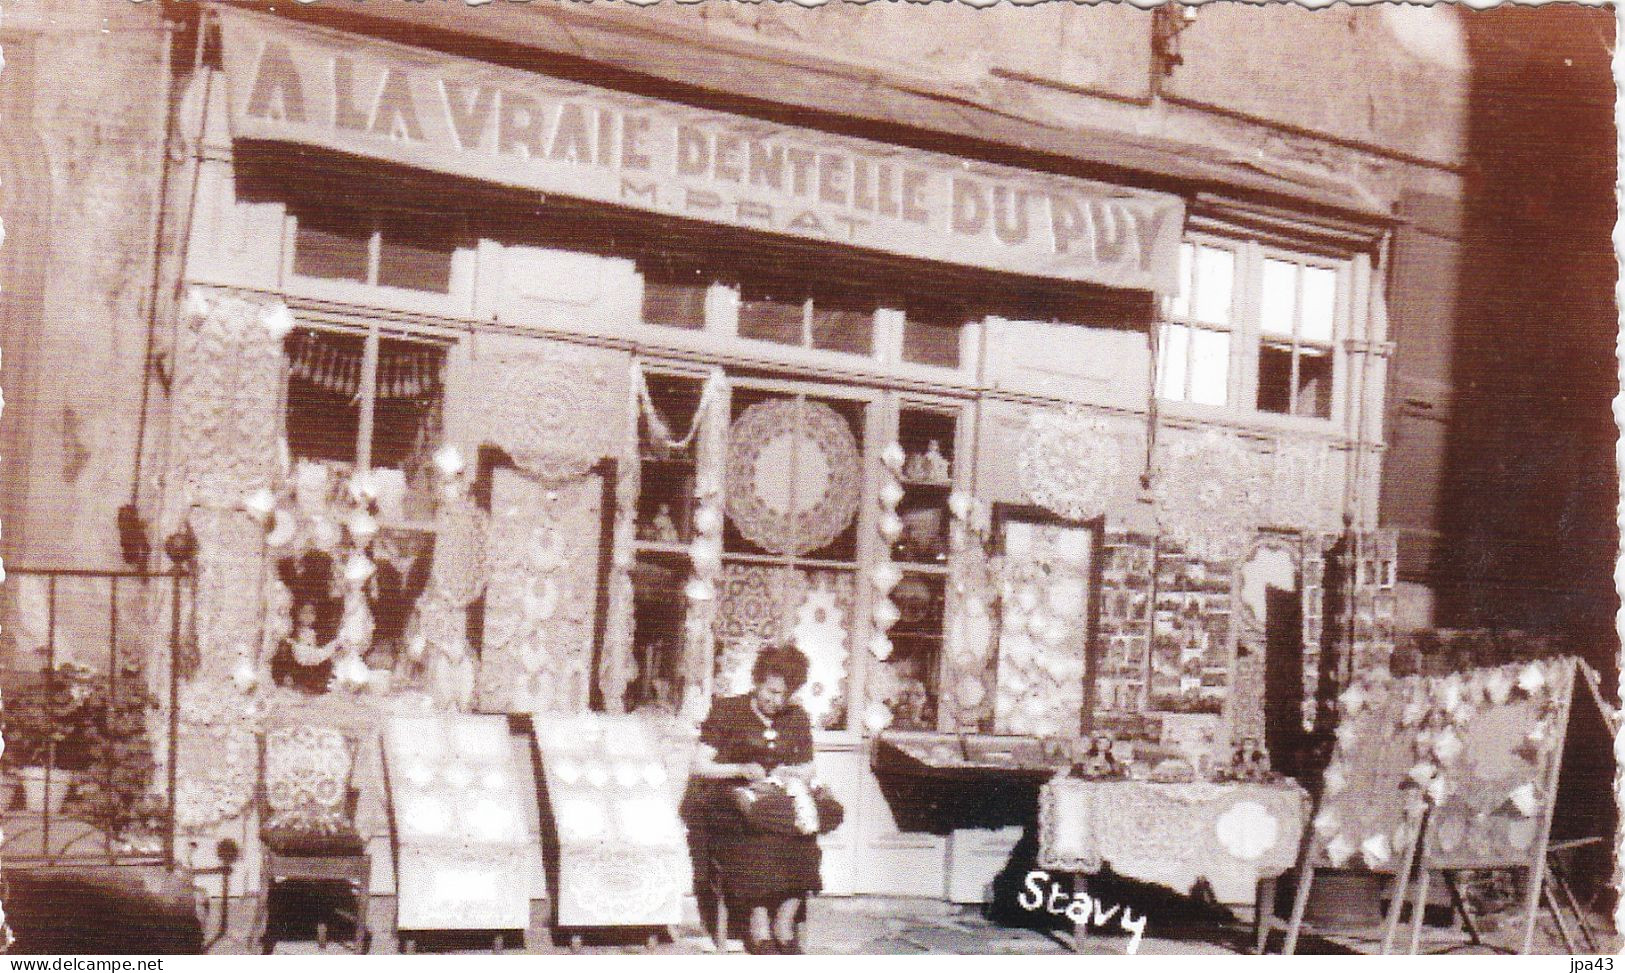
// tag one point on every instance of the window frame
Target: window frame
(1248, 336)
(373, 332)
(1232, 329)
(457, 301)
(1341, 270)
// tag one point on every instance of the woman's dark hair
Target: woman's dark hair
(784, 661)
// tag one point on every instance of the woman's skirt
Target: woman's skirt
(749, 864)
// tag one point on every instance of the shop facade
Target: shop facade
(494, 391)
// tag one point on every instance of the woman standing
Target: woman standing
(745, 739)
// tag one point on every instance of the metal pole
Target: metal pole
(50, 750)
(112, 703)
(174, 710)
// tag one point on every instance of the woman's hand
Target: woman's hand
(751, 772)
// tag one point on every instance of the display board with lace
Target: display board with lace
(623, 860)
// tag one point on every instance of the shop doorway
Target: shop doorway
(1283, 679)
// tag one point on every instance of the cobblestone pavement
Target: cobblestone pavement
(144, 910)
(894, 926)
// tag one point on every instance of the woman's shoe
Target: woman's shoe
(791, 948)
(761, 947)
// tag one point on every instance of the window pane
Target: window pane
(1171, 357)
(770, 318)
(1215, 281)
(1319, 303)
(415, 253)
(1210, 366)
(1280, 294)
(331, 245)
(406, 426)
(931, 342)
(908, 682)
(674, 304)
(1182, 297)
(849, 329)
(324, 374)
(1314, 384)
(1274, 379)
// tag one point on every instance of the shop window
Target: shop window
(790, 537)
(831, 324)
(413, 252)
(1193, 351)
(913, 682)
(362, 401)
(1297, 308)
(665, 525)
(674, 299)
(357, 401)
(666, 501)
(931, 339)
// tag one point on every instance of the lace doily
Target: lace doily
(1210, 492)
(553, 410)
(1071, 462)
(306, 768)
(794, 475)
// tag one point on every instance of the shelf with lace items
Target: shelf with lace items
(911, 583)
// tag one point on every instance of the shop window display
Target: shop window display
(665, 524)
(794, 475)
(362, 419)
(911, 680)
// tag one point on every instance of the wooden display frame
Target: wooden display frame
(1418, 861)
(1005, 514)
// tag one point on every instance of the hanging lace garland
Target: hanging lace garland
(437, 636)
(794, 475)
(1071, 462)
(616, 667)
(705, 552)
(1210, 493)
(659, 429)
(224, 412)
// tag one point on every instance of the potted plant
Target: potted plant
(48, 729)
(113, 787)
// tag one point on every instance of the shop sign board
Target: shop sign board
(380, 100)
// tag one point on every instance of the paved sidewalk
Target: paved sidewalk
(143, 910)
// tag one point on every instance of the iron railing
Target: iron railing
(48, 837)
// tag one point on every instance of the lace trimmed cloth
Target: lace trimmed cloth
(1229, 834)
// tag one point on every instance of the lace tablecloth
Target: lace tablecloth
(1230, 834)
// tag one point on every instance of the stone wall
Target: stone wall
(85, 99)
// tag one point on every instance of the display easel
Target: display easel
(1440, 854)
(1517, 839)
(616, 851)
(457, 824)
(1373, 797)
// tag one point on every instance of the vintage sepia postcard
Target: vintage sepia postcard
(534, 476)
